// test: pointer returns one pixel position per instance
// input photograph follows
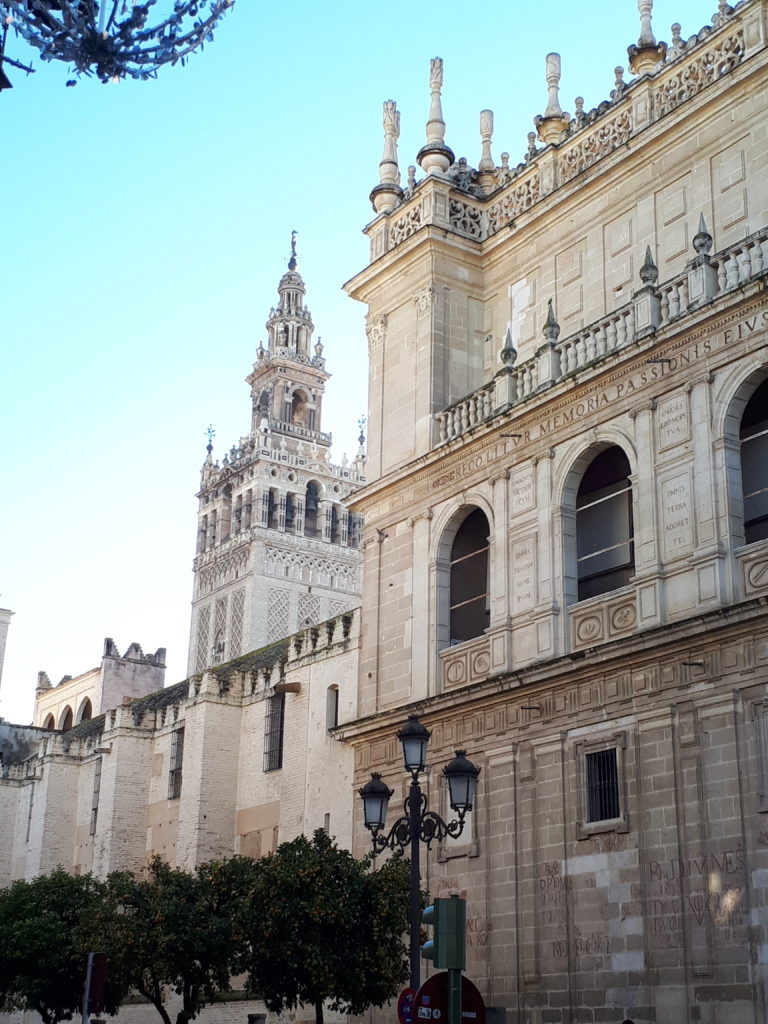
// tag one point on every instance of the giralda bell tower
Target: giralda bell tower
(276, 548)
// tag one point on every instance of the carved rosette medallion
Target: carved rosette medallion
(623, 617)
(589, 629)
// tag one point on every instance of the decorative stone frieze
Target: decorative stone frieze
(684, 82)
(582, 153)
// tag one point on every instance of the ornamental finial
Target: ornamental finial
(292, 260)
(388, 194)
(647, 38)
(388, 170)
(553, 86)
(649, 272)
(646, 56)
(551, 329)
(435, 156)
(486, 134)
(209, 447)
(553, 123)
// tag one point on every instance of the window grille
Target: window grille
(95, 797)
(273, 733)
(177, 757)
(602, 785)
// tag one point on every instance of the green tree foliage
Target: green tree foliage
(176, 931)
(48, 927)
(321, 927)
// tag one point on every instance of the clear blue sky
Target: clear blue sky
(145, 226)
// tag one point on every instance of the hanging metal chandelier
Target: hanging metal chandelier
(113, 39)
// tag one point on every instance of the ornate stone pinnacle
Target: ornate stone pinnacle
(647, 38)
(644, 58)
(486, 134)
(553, 85)
(552, 124)
(551, 329)
(435, 156)
(387, 194)
(649, 273)
(508, 354)
(702, 240)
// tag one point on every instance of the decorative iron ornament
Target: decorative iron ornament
(113, 39)
(430, 827)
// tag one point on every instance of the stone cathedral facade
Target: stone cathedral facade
(566, 529)
(277, 548)
(564, 563)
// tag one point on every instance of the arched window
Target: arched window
(469, 604)
(86, 711)
(271, 510)
(331, 707)
(290, 513)
(754, 465)
(49, 723)
(605, 553)
(311, 505)
(66, 719)
(299, 409)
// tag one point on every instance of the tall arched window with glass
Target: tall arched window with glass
(605, 549)
(754, 465)
(469, 605)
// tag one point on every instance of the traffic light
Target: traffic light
(430, 949)
(447, 947)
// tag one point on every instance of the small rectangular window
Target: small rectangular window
(95, 797)
(177, 757)
(274, 726)
(602, 786)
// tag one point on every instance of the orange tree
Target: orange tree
(175, 931)
(48, 927)
(321, 927)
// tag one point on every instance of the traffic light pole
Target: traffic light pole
(454, 996)
(414, 816)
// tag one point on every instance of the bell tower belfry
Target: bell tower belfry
(277, 550)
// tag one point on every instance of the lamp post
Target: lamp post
(418, 824)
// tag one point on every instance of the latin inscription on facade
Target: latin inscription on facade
(524, 573)
(522, 490)
(676, 518)
(674, 421)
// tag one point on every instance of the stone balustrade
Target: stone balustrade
(651, 309)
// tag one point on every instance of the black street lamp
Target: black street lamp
(418, 824)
